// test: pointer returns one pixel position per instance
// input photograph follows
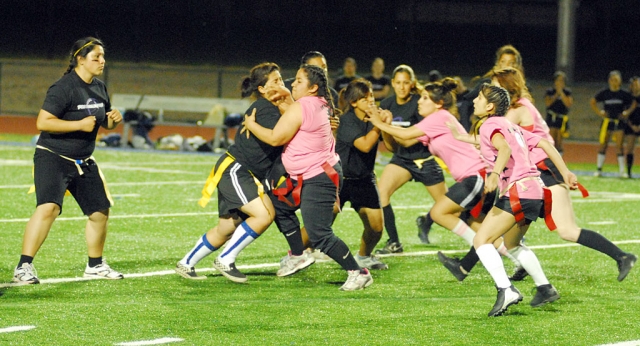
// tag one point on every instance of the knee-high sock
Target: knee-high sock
(390, 223)
(340, 253)
(464, 231)
(493, 263)
(294, 239)
(598, 242)
(600, 161)
(201, 250)
(469, 260)
(242, 236)
(621, 164)
(502, 250)
(530, 263)
(629, 163)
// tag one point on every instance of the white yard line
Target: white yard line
(150, 342)
(16, 329)
(275, 265)
(198, 182)
(624, 343)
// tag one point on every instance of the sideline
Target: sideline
(150, 342)
(16, 329)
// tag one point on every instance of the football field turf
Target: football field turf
(156, 220)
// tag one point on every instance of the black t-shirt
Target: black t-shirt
(379, 83)
(251, 152)
(558, 106)
(614, 101)
(343, 81)
(407, 112)
(355, 163)
(634, 117)
(334, 93)
(71, 99)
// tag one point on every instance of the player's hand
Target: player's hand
(88, 124)
(249, 120)
(491, 183)
(115, 115)
(572, 180)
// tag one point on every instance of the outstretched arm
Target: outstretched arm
(282, 133)
(569, 178)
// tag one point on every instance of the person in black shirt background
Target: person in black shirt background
(558, 100)
(314, 58)
(348, 74)
(74, 109)
(380, 82)
(632, 126)
(617, 105)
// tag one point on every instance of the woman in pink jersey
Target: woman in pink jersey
(522, 112)
(310, 159)
(506, 148)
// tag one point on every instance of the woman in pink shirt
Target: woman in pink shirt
(310, 159)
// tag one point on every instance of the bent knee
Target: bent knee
(569, 233)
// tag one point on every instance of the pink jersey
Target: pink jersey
(540, 129)
(519, 166)
(313, 144)
(462, 159)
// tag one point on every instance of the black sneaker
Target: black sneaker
(625, 263)
(506, 297)
(544, 294)
(424, 227)
(390, 247)
(453, 265)
(519, 274)
(230, 271)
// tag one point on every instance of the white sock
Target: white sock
(530, 263)
(202, 249)
(600, 161)
(242, 236)
(621, 164)
(502, 250)
(464, 231)
(493, 263)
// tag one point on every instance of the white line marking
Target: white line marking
(269, 265)
(150, 342)
(199, 182)
(16, 329)
(603, 222)
(624, 343)
(112, 217)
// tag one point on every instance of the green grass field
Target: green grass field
(156, 220)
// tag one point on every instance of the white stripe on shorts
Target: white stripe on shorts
(236, 184)
(476, 189)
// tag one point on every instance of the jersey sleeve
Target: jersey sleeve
(531, 139)
(57, 101)
(349, 130)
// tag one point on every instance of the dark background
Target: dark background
(453, 36)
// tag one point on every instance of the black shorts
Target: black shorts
(53, 175)
(468, 193)
(532, 208)
(362, 193)
(237, 187)
(629, 131)
(613, 125)
(554, 121)
(429, 174)
(550, 176)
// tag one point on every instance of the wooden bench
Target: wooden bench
(210, 111)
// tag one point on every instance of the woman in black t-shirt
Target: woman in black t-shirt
(73, 110)
(632, 126)
(558, 100)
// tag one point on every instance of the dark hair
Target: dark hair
(81, 48)
(512, 79)
(408, 70)
(443, 92)
(258, 77)
(351, 61)
(310, 55)
(317, 76)
(356, 90)
(499, 96)
(508, 49)
(434, 76)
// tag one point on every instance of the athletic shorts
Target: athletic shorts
(236, 188)
(429, 174)
(362, 193)
(629, 131)
(554, 122)
(53, 175)
(532, 208)
(551, 176)
(468, 193)
(614, 125)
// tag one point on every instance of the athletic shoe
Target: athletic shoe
(544, 294)
(506, 297)
(424, 227)
(370, 262)
(102, 271)
(25, 274)
(625, 263)
(519, 274)
(624, 175)
(597, 173)
(453, 265)
(357, 280)
(291, 264)
(390, 247)
(188, 272)
(230, 271)
(317, 254)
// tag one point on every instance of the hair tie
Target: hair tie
(81, 48)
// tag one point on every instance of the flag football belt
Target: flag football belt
(420, 162)
(516, 207)
(565, 120)
(477, 209)
(543, 166)
(282, 192)
(214, 179)
(605, 127)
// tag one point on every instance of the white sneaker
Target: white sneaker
(319, 255)
(25, 274)
(624, 175)
(291, 264)
(357, 280)
(103, 271)
(370, 262)
(188, 272)
(597, 173)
